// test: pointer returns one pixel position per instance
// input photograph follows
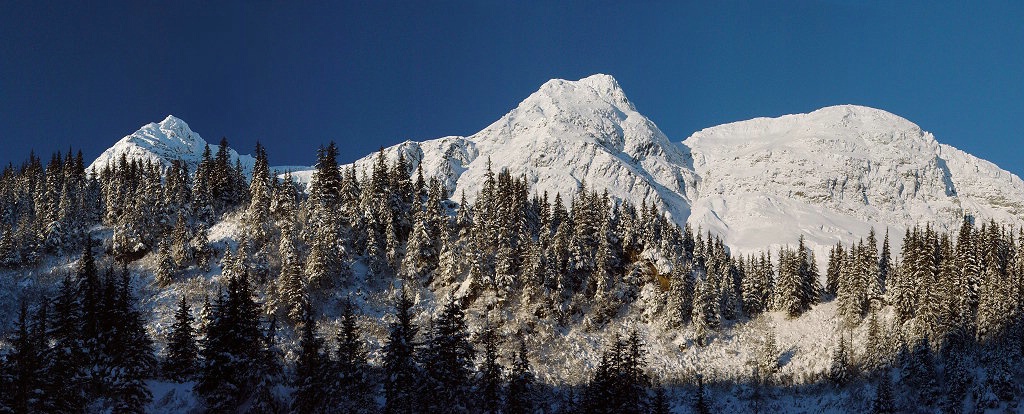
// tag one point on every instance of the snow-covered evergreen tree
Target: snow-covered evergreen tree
(768, 357)
(166, 267)
(402, 375)
(351, 390)
(706, 316)
(447, 361)
(520, 398)
(311, 380)
(490, 375)
(681, 295)
(182, 352)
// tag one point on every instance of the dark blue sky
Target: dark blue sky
(370, 73)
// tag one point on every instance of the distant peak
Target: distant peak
(165, 141)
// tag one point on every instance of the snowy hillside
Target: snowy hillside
(561, 286)
(171, 139)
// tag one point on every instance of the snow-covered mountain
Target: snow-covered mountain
(171, 139)
(829, 175)
(565, 134)
(832, 174)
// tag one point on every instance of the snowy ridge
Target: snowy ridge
(829, 175)
(171, 139)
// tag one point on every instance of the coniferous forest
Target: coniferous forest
(378, 291)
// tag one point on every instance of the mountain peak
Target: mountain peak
(592, 89)
(173, 121)
(606, 86)
(163, 142)
(565, 134)
(861, 117)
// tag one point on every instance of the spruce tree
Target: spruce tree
(870, 273)
(883, 402)
(70, 338)
(351, 391)
(326, 256)
(705, 311)
(8, 252)
(956, 372)
(268, 373)
(291, 294)
(633, 376)
(23, 369)
(310, 382)
(920, 371)
(134, 360)
(789, 290)
(660, 403)
(490, 374)
(756, 285)
(874, 352)
(836, 257)
(165, 265)
(203, 205)
(903, 286)
(601, 394)
(768, 358)
(521, 396)
(232, 348)
(421, 255)
(447, 359)
(181, 248)
(839, 372)
(681, 295)
(257, 220)
(885, 268)
(182, 351)
(401, 372)
(700, 402)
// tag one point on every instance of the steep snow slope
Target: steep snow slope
(564, 134)
(171, 139)
(832, 174)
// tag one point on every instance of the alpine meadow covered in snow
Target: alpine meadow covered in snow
(568, 258)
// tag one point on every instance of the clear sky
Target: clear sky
(368, 74)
